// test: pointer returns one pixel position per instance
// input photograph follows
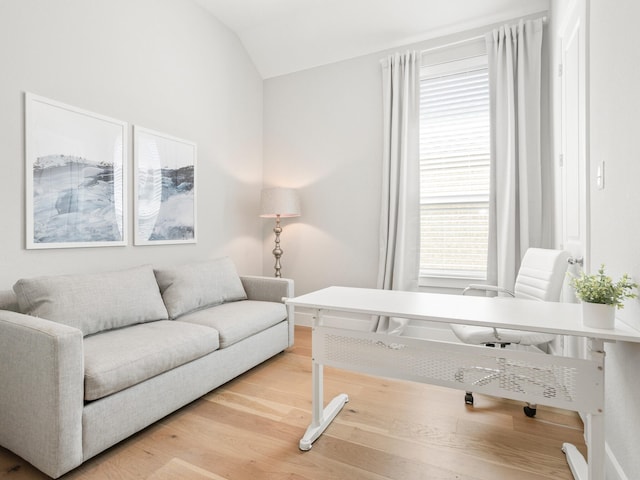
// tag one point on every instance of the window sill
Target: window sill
(457, 283)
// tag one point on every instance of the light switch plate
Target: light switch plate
(600, 176)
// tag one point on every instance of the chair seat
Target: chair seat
(483, 335)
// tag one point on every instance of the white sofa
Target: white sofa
(88, 360)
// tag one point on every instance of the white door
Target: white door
(574, 158)
(574, 149)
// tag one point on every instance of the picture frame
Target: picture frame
(164, 188)
(76, 176)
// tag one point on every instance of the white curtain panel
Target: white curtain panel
(516, 195)
(400, 215)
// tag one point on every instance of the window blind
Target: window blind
(454, 171)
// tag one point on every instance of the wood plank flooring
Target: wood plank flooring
(249, 429)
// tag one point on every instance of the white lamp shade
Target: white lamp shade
(279, 201)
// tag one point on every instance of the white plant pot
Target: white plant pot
(598, 315)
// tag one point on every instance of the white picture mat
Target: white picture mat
(61, 217)
(164, 188)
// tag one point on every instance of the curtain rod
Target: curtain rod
(468, 40)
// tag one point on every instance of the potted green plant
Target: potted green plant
(600, 296)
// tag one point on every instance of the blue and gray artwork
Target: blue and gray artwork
(166, 204)
(76, 200)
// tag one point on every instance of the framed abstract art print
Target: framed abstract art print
(76, 176)
(165, 188)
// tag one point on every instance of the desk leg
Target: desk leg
(596, 447)
(576, 461)
(594, 469)
(321, 418)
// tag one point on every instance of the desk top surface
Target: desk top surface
(518, 314)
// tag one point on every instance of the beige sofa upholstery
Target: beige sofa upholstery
(72, 386)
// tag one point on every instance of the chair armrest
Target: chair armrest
(271, 289)
(41, 398)
(487, 288)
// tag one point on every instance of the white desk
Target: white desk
(570, 383)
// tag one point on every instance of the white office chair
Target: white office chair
(540, 277)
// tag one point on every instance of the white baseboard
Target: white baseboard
(355, 322)
(612, 468)
(430, 330)
(426, 330)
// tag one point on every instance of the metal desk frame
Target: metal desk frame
(564, 382)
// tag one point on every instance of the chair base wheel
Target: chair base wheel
(530, 412)
(468, 398)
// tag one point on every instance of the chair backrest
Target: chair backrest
(541, 275)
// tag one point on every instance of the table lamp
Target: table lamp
(277, 203)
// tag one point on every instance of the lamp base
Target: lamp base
(277, 251)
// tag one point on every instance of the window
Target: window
(454, 169)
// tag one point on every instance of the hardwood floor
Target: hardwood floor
(390, 429)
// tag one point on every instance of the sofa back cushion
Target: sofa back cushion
(94, 302)
(8, 301)
(194, 286)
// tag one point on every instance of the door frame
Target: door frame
(575, 22)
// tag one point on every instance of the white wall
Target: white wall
(615, 218)
(161, 64)
(322, 135)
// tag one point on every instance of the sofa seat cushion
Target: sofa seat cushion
(238, 320)
(117, 359)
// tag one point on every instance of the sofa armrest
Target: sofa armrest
(41, 398)
(267, 289)
(271, 289)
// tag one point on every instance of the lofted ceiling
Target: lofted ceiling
(284, 36)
